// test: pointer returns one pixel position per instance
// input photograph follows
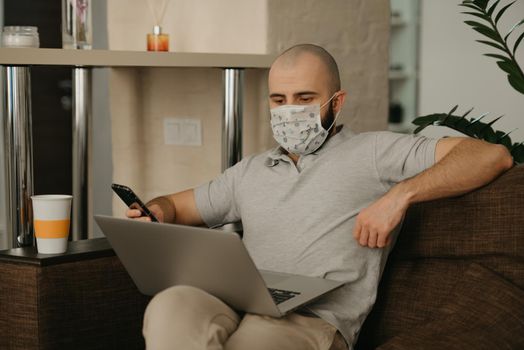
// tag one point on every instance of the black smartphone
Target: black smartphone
(132, 201)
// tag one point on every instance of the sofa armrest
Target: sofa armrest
(486, 312)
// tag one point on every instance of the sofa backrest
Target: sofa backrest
(439, 243)
(487, 221)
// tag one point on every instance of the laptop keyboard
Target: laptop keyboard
(279, 295)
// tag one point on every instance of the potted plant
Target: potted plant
(487, 15)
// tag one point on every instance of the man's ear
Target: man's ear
(338, 101)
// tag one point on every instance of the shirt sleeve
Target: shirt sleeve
(401, 156)
(216, 200)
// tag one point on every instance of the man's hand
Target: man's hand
(163, 208)
(375, 223)
(137, 214)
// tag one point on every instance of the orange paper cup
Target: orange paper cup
(51, 219)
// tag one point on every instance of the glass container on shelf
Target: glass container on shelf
(77, 31)
(20, 36)
(157, 41)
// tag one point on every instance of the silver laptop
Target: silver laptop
(158, 256)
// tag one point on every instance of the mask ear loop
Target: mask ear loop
(331, 98)
(336, 115)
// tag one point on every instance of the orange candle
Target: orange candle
(157, 41)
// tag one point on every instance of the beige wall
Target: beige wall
(355, 31)
(231, 26)
(142, 98)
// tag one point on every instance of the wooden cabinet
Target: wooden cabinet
(83, 299)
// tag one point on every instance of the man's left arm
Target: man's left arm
(461, 165)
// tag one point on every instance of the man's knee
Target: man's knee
(187, 304)
(187, 316)
(176, 301)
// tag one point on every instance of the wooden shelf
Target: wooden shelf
(107, 58)
(77, 250)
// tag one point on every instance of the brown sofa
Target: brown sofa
(455, 279)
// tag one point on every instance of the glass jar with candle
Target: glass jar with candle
(20, 36)
(157, 41)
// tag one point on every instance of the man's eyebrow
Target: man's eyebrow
(302, 93)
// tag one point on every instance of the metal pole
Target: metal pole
(81, 122)
(19, 156)
(232, 125)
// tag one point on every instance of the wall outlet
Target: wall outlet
(183, 131)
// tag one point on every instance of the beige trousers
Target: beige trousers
(188, 318)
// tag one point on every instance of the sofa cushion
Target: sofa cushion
(484, 312)
(410, 293)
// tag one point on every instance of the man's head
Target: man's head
(306, 74)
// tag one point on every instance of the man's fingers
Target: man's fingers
(372, 240)
(357, 229)
(133, 213)
(364, 236)
(382, 240)
(136, 214)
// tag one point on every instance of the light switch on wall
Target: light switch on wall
(183, 131)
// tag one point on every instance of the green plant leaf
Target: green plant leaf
(489, 135)
(518, 84)
(504, 139)
(512, 29)
(475, 24)
(492, 7)
(471, 3)
(517, 42)
(471, 6)
(517, 151)
(495, 45)
(509, 67)
(479, 15)
(481, 3)
(467, 113)
(518, 154)
(420, 128)
(428, 119)
(473, 128)
(501, 12)
(490, 33)
(495, 120)
(499, 57)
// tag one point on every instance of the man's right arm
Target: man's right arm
(178, 208)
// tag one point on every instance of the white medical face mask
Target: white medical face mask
(298, 129)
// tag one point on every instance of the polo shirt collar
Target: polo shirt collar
(277, 154)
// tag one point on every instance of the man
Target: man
(326, 203)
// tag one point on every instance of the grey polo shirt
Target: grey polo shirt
(299, 219)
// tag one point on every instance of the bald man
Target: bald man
(326, 203)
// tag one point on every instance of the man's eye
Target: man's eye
(306, 99)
